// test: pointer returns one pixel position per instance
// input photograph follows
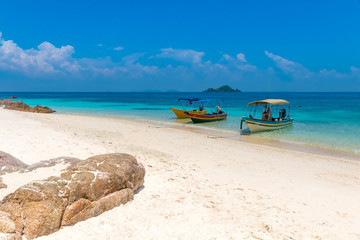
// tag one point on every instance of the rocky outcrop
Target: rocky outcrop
(50, 163)
(20, 106)
(40, 109)
(84, 190)
(225, 88)
(9, 163)
(13, 97)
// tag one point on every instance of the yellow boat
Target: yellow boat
(196, 104)
(180, 114)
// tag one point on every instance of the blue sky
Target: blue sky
(181, 45)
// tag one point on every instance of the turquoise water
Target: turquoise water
(330, 120)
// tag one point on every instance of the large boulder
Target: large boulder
(84, 190)
(20, 106)
(40, 109)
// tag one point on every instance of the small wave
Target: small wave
(113, 105)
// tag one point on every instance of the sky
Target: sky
(252, 45)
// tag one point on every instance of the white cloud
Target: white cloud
(298, 71)
(100, 45)
(241, 57)
(119, 48)
(182, 55)
(45, 59)
(50, 62)
(282, 62)
(301, 78)
(239, 62)
(228, 57)
(295, 69)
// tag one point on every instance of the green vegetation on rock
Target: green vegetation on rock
(225, 88)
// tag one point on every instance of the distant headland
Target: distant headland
(225, 88)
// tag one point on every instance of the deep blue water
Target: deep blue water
(324, 119)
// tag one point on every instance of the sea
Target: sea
(325, 120)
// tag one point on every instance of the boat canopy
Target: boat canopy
(198, 100)
(208, 100)
(269, 101)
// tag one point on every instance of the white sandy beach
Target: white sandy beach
(196, 187)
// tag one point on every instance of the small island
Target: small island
(225, 88)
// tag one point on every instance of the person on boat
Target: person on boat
(266, 114)
(219, 110)
(282, 113)
(201, 107)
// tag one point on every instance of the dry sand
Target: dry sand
(196, 187)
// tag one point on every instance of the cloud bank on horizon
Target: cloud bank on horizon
(170, 68)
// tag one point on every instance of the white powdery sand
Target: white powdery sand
(196, 187)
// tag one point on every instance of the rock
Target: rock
(84, 209)
(2, 185)
(52, 162)
(13, 97)
(6, 224)
(10, 236)
(36, 208)
(84, 190)
(8, 159)
(9, 163)
(75, 212)
(40, 109)
(20, 106)
(42, 218)
(124, 165)
(225, 88)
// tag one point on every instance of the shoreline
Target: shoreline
(236, 136)
(223, 188)
(303, 132)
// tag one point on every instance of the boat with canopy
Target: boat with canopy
(217, 114)
(266, 115)
(193, 105)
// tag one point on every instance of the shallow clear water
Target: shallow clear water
(324, 119)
